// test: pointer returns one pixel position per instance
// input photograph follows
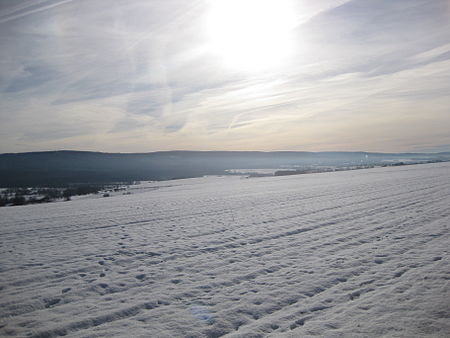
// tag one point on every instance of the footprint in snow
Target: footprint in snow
(140, 276)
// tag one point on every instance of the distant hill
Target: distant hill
(59, 168)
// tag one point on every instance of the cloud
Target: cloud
(26, 8)
(368, 75)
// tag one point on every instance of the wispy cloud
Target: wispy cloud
(24, 8)
(369, 75)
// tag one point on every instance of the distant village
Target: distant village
(36, 195)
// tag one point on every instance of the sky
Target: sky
(150, 75)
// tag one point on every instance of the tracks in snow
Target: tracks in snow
(259, 261)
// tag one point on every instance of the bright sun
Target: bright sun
(251, 35)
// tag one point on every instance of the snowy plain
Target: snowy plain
(347, 254)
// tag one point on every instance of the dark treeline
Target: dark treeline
(60, 168)
(23, 196)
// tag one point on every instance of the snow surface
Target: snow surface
(347, 254)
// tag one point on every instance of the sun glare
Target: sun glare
(251, 35)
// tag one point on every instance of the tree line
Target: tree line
(23, 196)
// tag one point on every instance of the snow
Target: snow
(359, 253)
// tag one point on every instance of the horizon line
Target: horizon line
(224, 151)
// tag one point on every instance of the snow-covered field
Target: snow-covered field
(348, 254)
